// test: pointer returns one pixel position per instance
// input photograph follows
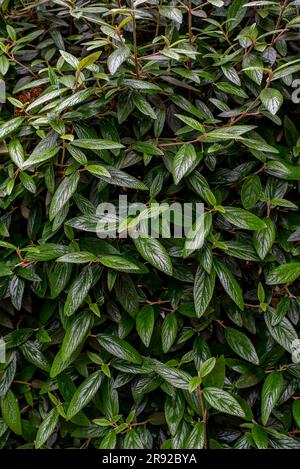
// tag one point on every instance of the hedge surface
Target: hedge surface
(143, 343)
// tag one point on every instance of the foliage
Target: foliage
(139, 343)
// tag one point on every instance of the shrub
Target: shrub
(141, 342)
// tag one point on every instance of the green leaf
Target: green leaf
(59, 277)
(243, 219)
(122, 264)
(143, 106)
(272, 99)
(283, 170)
(119, 348)
(16, 152)
(235, 14)
(40, 156)
(84, 394)
(241, 345)
(75, 99)
(296, 412)
(270, 394)
(260, 437)
(168, 332)
(145, 324)
(283, 332)
(196, 439)
(174, 410)
(253, 68)
(155, 253)
(229, 283)
(191, 122)
(204, 285)
(10, 126)
(132, 440)
(78, 291)
(88, 60)
(177, 378)
(44, 98)
(32, 353)
(231, 89)
(11, 412)
(70, 59)
(63, 193)
(223, 401)
(96, 144)
(184, 160)
(207, 366)
(284, 273)
(77, 257)
(109, 441)
(263, 240)
(116, 59)
(98, 170)
(172, 13)
(46, 428)
(120, 178)
(76, 334)
(148, 148)
(251, 191)
(226, 133)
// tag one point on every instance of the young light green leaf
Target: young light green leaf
(98, 170)
(88, 60)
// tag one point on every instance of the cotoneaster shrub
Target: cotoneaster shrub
(141, 343)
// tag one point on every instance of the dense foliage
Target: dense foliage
(142, 343)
